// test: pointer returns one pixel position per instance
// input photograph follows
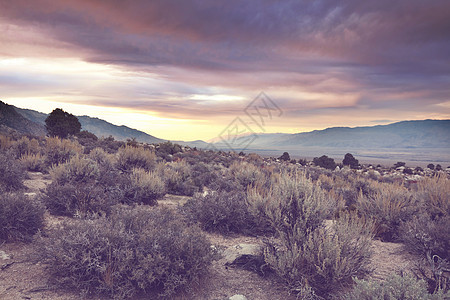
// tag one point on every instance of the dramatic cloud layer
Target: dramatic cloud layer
(192, 66)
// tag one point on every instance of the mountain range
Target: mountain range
(417, 140)
(404, 134)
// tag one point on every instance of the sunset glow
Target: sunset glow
(183, 70)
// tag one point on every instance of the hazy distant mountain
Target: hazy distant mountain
(96, 126)
(11, 119)
(401, 135)
(405, 134)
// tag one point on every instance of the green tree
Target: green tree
(350, 160)
(62, 124)
(285, 157)
(325, 162)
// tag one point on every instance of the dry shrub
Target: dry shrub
(145, 187)
(20, 217)
(130, 157)
(134, 251)
(396, 287)
(246, 173)
(178, 178)
(324, 259)
(428, 232)
(77, 199)
(292, 203)
(101, 157)
(77, 169)
(310, 254)
(5, 142)
(60, 150)
(434, 194)
(224, 212)
(33, 162)
(389, 205)
(25, 146)
(12, 173)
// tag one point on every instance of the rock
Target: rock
(231, 253)
(4, 255)
(237, 297)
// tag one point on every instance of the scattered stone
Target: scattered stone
(231, 253)
(4, 255)
(237, 297)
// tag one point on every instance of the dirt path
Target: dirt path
(389, 259)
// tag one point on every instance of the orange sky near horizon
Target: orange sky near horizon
(179, 70)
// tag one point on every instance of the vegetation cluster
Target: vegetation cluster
(318, 221)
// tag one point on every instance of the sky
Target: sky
(188, 70)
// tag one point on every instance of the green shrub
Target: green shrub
(62, 124)
(130, 157)
(325, 162)
(20, 217)
(145, 187)
(135, 250)
(12, 173)
(224, 212)
(395, 287)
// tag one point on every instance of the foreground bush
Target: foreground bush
(310, 254)
(77, 199)
(135, 250)
(324, 259)
(389, 205)
(20, 217)
(434, 194)
(395, 287)
(224, 212)
(12, 173)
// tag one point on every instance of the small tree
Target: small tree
(399, 164)
(324, 162)
(285, 157)
(350, 160)
(61, 124)
(430, 166)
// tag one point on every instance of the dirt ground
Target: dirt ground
(23, 278)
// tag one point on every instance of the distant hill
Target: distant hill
(417, 136)
(11, 119)
(96, 126)
(405, 134)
